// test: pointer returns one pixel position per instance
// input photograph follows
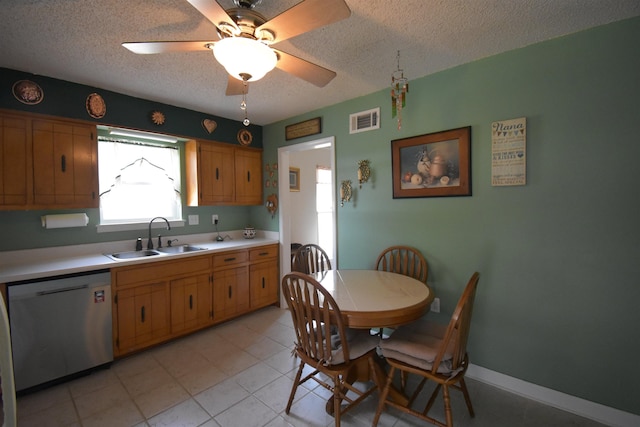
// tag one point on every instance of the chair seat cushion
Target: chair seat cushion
(360, 343)
(418, 348)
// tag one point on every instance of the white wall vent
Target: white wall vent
(364, 120)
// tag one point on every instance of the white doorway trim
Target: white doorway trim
(284, 216)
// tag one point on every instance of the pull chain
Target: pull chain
(243, 104)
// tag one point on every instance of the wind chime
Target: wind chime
(399, 89)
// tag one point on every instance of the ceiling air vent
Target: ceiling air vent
(364, 120)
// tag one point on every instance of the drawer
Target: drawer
(230, 258)
(264, 252)
(160, 270)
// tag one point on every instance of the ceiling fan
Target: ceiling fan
(246, 38)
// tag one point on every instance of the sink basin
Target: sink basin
(133, 254)
(179, 249)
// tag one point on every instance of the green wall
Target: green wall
(559, 258)
(22, 229)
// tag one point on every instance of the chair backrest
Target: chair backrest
(457, 333)
(310, 259)
(8, 397)
(316, 319)
(403, 260)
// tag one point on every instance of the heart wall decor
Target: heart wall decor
(209, 125)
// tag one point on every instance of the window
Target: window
(138, 181)
(324, 208)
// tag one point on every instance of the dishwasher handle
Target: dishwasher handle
(57, 291)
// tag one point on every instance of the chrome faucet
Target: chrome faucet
(150, 242)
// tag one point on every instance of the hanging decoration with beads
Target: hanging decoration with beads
(399, 90)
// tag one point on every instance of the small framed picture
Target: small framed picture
(294, 179)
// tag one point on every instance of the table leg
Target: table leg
(361, 371)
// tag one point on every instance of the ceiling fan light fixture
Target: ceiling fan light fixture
(242, 57)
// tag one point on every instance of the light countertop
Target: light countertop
(32, 264)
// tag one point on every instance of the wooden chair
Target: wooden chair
(433, 353)
(8, 395)
(403, 260)
(310, 259)
(325, 344)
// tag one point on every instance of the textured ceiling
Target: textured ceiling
(80, 41)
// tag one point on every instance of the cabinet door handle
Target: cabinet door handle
(229, 291)
(263, 283)
(248, 176)
(190, 302)
(217, 173)
(63, 163)
(142, 314)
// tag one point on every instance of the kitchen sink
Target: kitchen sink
(179, 249)
(132, 254)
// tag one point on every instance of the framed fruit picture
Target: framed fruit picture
(432, 165)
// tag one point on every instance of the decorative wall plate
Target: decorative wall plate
(209, 125)
(157, 117)
(96, 107)
(27, 92)
(244, 137)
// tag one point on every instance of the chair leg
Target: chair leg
(447, 405)
(294, 387)
(383, 396)
(467, 398)
(337, 400)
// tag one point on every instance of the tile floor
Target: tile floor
(239, 374)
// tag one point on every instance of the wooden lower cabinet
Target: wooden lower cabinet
(142, 316)
(191, 303)
(263, 276)
(230, 293)
(161, 300)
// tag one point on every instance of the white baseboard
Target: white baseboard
(566, 402)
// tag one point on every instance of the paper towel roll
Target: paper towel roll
(65, 220)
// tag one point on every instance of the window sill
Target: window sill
(109, 228)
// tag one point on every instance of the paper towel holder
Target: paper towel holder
(65, 220)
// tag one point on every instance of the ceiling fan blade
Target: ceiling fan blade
(305, 16)
(235, 86)
(305, 70)
(164, 47)
(215, 13)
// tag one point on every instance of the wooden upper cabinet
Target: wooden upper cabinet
(65, 172)
(47, 163)
(15, 162)
(221, 174)
(248, 166)
(209, 174)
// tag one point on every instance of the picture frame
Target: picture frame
(294, 179)
(432, 165)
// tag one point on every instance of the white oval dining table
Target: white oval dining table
(376, 299)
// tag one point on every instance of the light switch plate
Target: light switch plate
(194, 219)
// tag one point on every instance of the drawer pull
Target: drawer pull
(263, 253)
(229, 259)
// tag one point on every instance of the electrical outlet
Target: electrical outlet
(214, 219)
(435, 305)
(194, 219)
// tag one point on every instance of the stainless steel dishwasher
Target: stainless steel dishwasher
(60, 326)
